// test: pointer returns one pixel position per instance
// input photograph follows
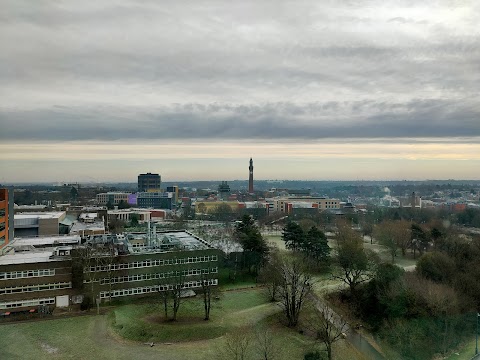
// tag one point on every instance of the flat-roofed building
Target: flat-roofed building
(41, 223)
(34, 279)
(155, 264)
(112, 197)
(85, 229)
(44, 242)
(287, 204)
(126, 214)
(37, 272)
(156, 200)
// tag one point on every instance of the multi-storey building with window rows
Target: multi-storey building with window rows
(29, 279)
(139, 265)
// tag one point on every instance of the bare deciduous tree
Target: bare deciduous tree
(294, 287)
(270, 274)
(440, 299)
(87, 258)
(171, 291)
(385, 235)
(327, 326)
(165, 296)
(265, 345)
(208, 288)
(177, 284)
(237, 345)
(108, 261)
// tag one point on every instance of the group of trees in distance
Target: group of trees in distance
(313, 243)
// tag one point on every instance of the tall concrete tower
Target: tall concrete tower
(250, 177)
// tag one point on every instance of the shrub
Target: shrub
(87, 303)
(314, 355)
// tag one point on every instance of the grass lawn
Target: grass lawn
(277, 240)
(466, 352)
(405, 262)
(145, 322)
(242, 281)
(92, 337)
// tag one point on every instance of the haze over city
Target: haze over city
(312, 90)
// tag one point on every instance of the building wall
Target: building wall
(25, 286)
(113, 198)
(126, 214)
(148, 182)
(28, 285)
(156, 200)
(174, 190)
(5, 216)
(48, 227)
(141, 274)
(285, 205)
(158, 214)
(210, 205)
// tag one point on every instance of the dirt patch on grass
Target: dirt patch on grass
(49, 349)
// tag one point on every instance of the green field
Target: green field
(277, 240)
(145, 322)
(127, 333)
(466, 352)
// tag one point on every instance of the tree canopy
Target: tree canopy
(312, 243)
(254, 245)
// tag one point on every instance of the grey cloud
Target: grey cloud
(302, 70)
(366, 119)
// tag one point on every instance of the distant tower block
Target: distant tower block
(250, 177)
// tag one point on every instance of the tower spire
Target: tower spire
(250, 177)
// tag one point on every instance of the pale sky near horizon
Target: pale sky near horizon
(320, 90)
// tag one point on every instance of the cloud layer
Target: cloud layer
(367, 119)
(263, 70)
(365, 89)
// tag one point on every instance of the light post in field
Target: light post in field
(476, 336)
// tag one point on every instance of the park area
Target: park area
(129, 331)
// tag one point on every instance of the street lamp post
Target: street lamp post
(476, 336)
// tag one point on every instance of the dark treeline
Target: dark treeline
(427, 311)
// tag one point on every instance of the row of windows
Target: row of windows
(32, 288)
(152, 289)
(22, 303)
(151, 263)
(26, 274)
(144, 277)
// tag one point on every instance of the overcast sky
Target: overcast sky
(100, 91)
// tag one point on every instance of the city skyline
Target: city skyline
(315, 91)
